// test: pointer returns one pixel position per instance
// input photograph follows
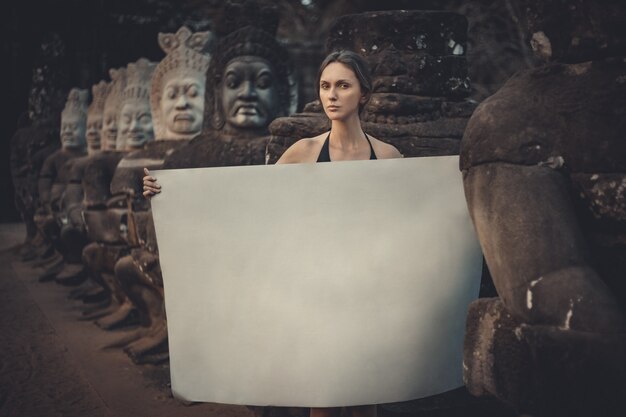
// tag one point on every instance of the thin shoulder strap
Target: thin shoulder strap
(372, 153)
(324, 155)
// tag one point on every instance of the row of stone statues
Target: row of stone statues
(92, 220)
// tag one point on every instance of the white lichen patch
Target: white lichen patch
(568, 316)
(554, 162)
(541, 45)
(374, 47)
(518, 333)
(451, 43)
(420, 42)
(594, 177)
(458, 49)
(529, 293)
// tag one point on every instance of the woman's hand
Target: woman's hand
(150, 185)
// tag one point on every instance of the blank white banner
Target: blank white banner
(316, 285)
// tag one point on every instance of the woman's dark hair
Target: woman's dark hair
(357, 64)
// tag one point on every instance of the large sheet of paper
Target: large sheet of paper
(316, 285)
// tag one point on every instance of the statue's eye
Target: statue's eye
(264, 81)
(193, 91)
(171, 93)
(232, 81)
(145, 118)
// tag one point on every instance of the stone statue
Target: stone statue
(249, 83)
(73, 233)
(135, 131)
(135, 118)
(31, 145)
(103, 231)
(544, 163)
(177, 102)
(54, 174)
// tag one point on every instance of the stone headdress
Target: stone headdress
(76, 103)
(186, 55)
(249, 41)
(116, 89)
(99, 93)
(138, 80)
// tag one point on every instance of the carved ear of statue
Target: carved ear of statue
(217, 118)
(293, 94)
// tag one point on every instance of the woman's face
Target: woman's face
(249, 97)
(340, 91)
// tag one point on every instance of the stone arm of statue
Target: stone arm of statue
(535, 249)
(44, 183)
(150, 185)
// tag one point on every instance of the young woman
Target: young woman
(345, 87)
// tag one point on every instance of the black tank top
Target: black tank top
(325, 153)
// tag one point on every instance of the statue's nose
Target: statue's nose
(247, 90)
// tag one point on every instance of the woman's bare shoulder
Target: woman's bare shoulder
(304, 150)
(384, 150)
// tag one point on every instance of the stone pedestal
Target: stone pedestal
(544, 167)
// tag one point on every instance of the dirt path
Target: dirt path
(52, 364)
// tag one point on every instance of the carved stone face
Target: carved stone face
(72, 131)
(182, 107)
(94, 127)
(135, 125)
(249, 95)
(109, 129)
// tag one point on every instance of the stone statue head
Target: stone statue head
(574, 31)
(74, 119)
(178, 84)
(250, 82)
(99, 94)
(135, 120)
(111, 111)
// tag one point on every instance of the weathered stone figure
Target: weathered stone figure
(54, 174)
(135, 131)
(249, 84)
(102, 225)
(38, 139)
(544, 163)
(135, 118)
(73, 233)
(177, 102)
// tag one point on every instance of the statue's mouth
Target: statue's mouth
(247, 110)
(184, 117)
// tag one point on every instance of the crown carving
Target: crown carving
(99, 93)
(138, 79)
(116, 88)
(76, 102)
